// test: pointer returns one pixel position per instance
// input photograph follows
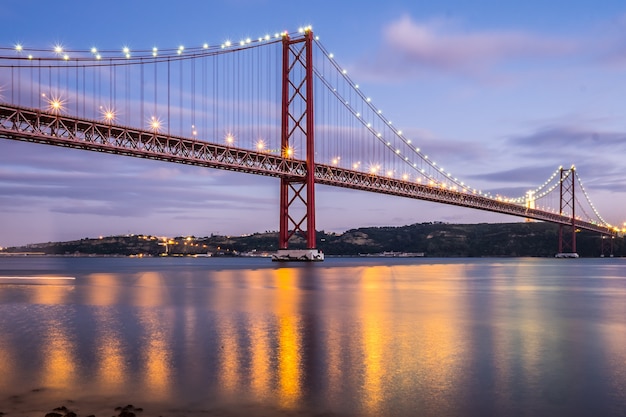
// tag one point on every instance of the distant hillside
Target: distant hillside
(432, 239)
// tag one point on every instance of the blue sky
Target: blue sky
(501, 92)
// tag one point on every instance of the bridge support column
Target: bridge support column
(606, 246)
(567, 232)
(297, 194)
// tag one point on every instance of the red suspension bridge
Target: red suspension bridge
(277, 106)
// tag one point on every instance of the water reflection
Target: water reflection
(428, 339)
(110, 355)
(59, 352)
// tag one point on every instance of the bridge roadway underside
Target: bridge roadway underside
(32, 125)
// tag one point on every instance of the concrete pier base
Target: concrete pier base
(298, 255)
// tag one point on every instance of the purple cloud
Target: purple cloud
(412, 47)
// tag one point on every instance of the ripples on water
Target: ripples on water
(421, 337)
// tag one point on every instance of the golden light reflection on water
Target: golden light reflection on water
(149, 290)
(229, 364)
(373, 339)
(51, 294)
(59, 358)
(111, 363)
(289, 338)
(104, 289)
(6, 367)
(156, 352)
(427, 352)
(259, 332)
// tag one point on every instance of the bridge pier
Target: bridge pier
(606, 246)
(567, 232)
(297, 194)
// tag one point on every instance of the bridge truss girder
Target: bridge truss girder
(32, 125)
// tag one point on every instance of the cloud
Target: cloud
(411, 48)
(564, 137)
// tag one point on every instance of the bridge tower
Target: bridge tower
(297, 194)
(567, 232)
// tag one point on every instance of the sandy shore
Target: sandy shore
(40, 403)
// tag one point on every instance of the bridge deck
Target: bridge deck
(32, 125)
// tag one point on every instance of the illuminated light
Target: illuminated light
(358, 115)
(356, 86)
(288, 152)
(405, 177)
(369, 125)
(98, 56)
(227, 43)
(276, 35)
(205, 46)
(127, 56)
(344, 72)
(108, 114)
(248, 40)
(181, 48)
(331, 56)
(267, 37)
(19, 47)
(94, 50)
(58, 49)
(400, 132)
(30, 57)
(126, 50)
(425, 156)
(155, 124)
(56, 104)
(379, 134)
(260, 145)
(380, 112)
(388, 143)
(154, 53)
(368, 99)
(229, 138)
(242, 43)
(300, 30)
(397, 151)
(179, 52)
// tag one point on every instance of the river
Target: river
(346, 337)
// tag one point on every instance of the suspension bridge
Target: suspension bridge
(279, 105)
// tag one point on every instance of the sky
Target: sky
(501, 92)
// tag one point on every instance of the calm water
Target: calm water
(366, 337)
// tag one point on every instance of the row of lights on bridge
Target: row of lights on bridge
(61, 52)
